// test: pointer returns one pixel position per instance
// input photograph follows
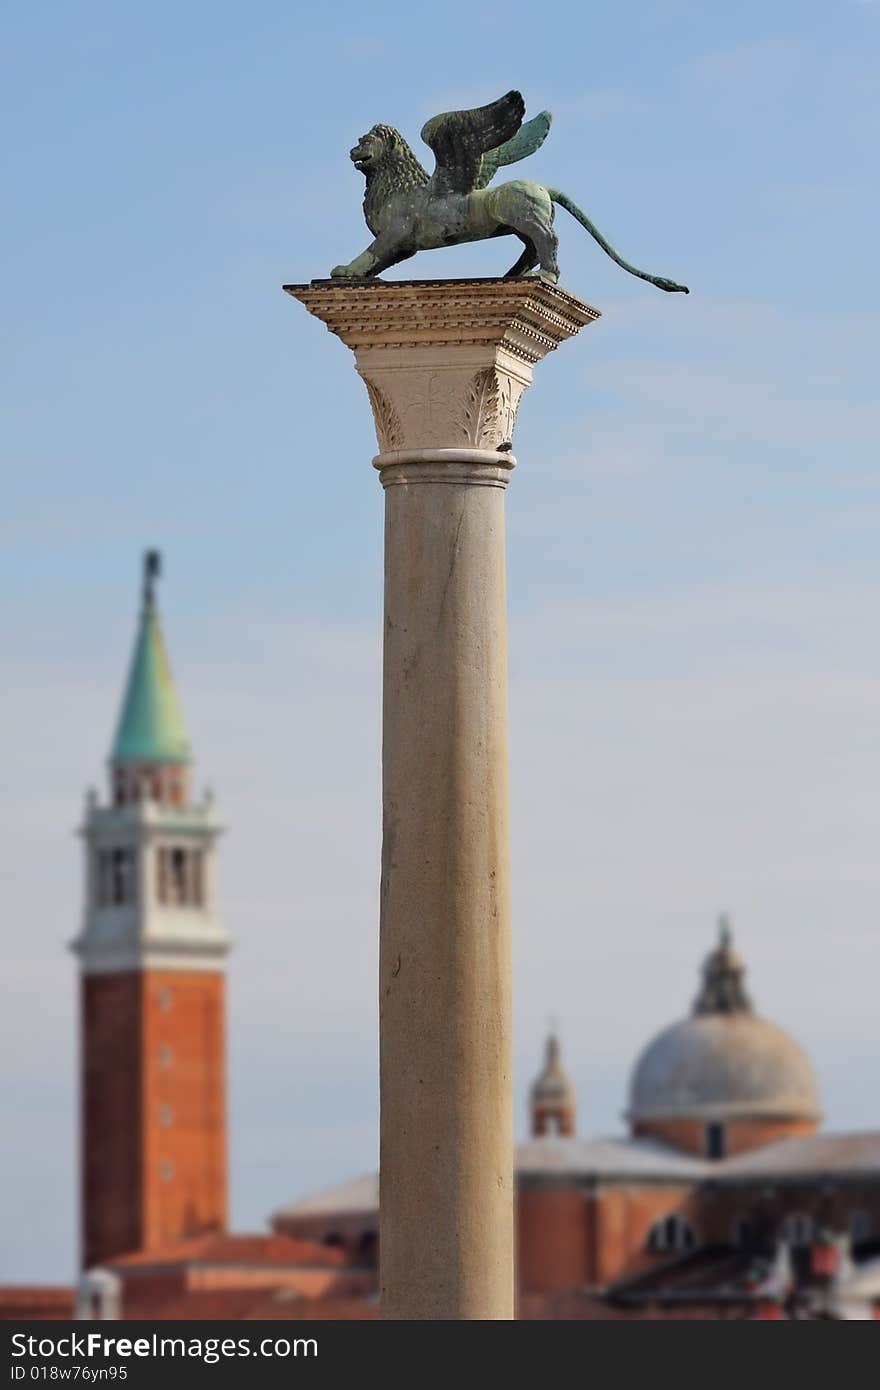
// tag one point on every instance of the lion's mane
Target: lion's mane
(403, 169)
(397, 171)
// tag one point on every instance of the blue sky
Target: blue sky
(693, 558)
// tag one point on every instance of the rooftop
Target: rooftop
(604, 1157)
(236, 1250)
(353, 1197)
(641, 1159)
(810, 1155)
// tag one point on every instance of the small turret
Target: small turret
(552, 1099)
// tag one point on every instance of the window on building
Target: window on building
(859, 1226)
(102, 872)
(115, 877)
(196, 877)
(716, 1140)
(166, 1170)
(162, 875)
(180, 877)
(368, 1246)
(799, 1228)
(121, 876)
(166, 1056)
(670, 1234)
(166, 1116)
(743, 1232)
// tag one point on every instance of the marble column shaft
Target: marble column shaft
(445, 364)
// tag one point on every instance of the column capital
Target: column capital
(445, 362)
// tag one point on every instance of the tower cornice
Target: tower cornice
(185, 951)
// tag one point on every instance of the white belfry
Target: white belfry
(150, 900)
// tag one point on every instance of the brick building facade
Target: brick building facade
(723, 1181)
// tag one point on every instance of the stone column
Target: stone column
(445, 364)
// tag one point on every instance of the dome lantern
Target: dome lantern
(723, 990)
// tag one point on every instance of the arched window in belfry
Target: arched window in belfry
(118, 885)
(179, 876)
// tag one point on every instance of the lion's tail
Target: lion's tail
(565, 202)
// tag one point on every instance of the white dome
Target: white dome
(723, 1066)
(724, 1062)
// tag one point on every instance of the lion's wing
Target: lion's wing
(459, 140)
(528, 138)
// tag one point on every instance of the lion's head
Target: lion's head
(384, 150)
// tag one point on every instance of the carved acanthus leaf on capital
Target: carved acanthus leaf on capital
(433, 408)
(389, 431)
(488, 411)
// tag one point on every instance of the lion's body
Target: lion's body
(422, 222)
(408, 212)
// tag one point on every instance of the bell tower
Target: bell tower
(152, 991)
(553, 1106)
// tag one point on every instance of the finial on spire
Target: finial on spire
(725, 930)
(152, 570)
(150, 728)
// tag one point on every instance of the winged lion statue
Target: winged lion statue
(408, 211)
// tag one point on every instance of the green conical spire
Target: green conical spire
(150, 728)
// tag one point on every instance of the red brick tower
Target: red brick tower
(152, 957)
